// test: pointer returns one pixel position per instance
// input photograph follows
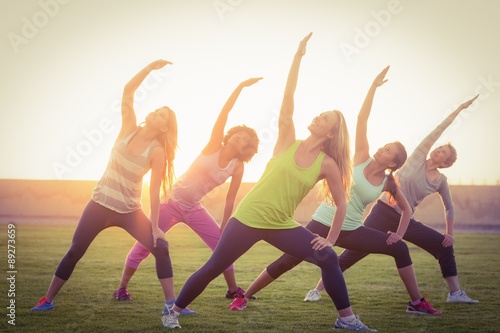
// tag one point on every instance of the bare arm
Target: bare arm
(404, 220)
(218, 130)
(157, 167)
(362, 148)
(129, 121)
(231, 194)
(424, 147)
(286, 128)
(332, 175)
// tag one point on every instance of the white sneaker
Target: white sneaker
(356, 325)
(170, 320)
(312, 296)
(461, 297)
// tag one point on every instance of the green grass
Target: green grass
(85, 304)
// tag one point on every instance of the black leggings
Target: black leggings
(238, 238)
(384, 218)
(361, 239)
(96, 218)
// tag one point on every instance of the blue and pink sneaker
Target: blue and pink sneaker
(43, 304)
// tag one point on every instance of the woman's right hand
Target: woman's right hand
(160, 63)
(249, 82)
(303, 43)
(380, 79)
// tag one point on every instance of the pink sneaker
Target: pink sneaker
(238, 304)
(122, 295)
(422, 308)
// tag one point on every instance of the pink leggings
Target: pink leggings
(171, 213)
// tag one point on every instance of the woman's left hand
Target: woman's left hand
(448, 240)
(393, 238)
(319, 243)
(158, 234)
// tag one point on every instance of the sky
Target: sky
(65, 63)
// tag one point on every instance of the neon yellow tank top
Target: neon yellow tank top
(272, 201)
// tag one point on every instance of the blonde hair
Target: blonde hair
(338, 148)
(168, 140)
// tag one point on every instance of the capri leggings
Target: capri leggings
(238, 238)
(96, 218)
(361, 239)
(384, 218)
(171, 213)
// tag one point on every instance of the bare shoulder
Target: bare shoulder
(329, 167)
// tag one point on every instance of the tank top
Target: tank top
(271, 203)
(362, 194)
(203, 175)
(120, 187)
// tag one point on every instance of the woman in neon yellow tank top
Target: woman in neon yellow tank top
(266, 213)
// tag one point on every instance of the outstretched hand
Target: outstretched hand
(465, 105)
(160, 63)
(303, 43)
(380, 79)
(249, 82)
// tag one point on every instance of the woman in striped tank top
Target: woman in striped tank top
(116, 200)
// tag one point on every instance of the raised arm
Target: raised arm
(129, 121)
(425, 146)
(218, 130)
(362, 148)
(286, 129)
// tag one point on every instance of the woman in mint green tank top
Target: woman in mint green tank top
(266, 213)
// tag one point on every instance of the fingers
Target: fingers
(306, 38)
(319, 243)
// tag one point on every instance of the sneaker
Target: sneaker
(461, 297)
(170, 304)
(238, 304)
(171, 320)
(422, 308)
(237, 293)
(122, 295)
(313, 296)
(357, 325)
(43, 304)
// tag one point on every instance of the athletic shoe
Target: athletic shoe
(422, 308)
(313, 296)
(122, 295)
(170, 304)
(237, 293)
(461, 297)
(43, 304)
(357, 325)
(238, 304)
(170, 320)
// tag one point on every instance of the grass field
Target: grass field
(86, 304)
